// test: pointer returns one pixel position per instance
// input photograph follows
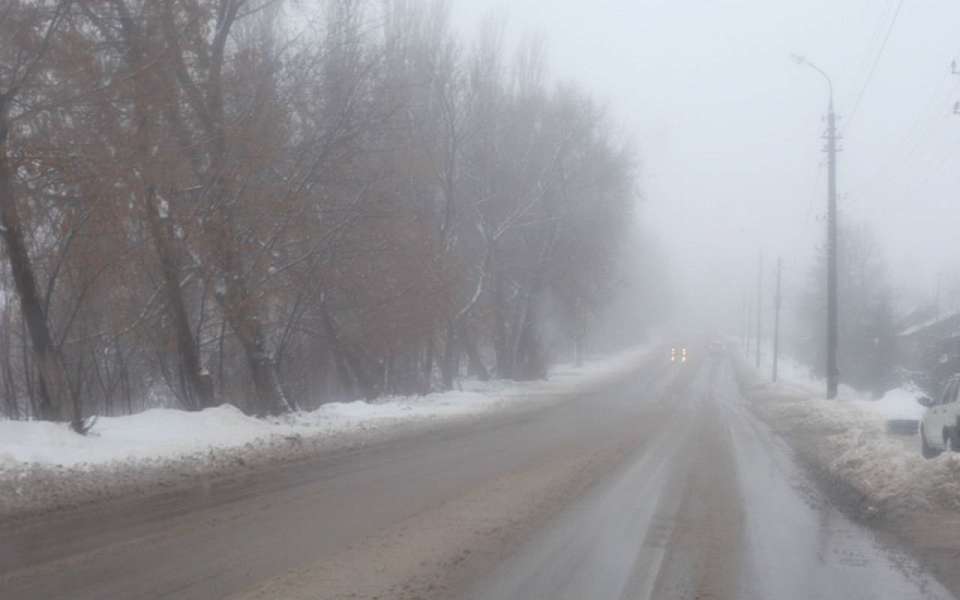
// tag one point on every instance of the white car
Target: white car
(939, 429)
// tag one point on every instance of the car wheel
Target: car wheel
(925, 449)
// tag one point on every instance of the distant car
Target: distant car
(678, 354)
(716, 348)
(940, 425)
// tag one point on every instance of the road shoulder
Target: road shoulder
(878, 480)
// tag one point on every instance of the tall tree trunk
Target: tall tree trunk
(477, 368)
(55, 401)
(450, 363)
(9, 383)
(521, 332)
(249, 331)
(345, 378)
(220, 355)
(233, 294)
(347, 360)
(28, 381)
(427, 384)
(501, 343)
(527, 347)
(580, 333)
(123, 374)
(531, 363)
(197, 388)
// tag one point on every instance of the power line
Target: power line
(930, 167)
(876, 33)
(917, 131)
(876, 61)
(909, 142)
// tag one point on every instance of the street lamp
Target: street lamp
(833, 373)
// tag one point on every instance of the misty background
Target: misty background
(728, 128)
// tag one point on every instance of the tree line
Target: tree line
(271, 203)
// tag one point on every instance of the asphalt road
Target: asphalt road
(662, 485)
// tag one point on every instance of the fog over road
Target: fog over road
(662, 485)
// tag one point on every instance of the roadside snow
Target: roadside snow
(170, 434)
(154, 433)
(848, 439)
(898, 403)
(852, 445)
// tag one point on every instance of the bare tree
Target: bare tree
(32, 26)
(310, 202)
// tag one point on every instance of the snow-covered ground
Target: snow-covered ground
(44, 466)
(898, 403)
(167, 433)
(848, 439)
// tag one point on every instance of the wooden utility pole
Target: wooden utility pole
(745, 323)
(776, 321)
(833, 373)
(759, 305)
(747, 328)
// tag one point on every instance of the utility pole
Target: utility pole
(833, 373)
(759, 304)
(776, 321)
(745, 322)
(748, 326)
(936, 296)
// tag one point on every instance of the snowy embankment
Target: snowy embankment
(44, 465)
(847, 440)
(898, 403)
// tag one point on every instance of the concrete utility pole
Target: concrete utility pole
(748, 328)
(776, 321)
(833, 373)
(745, 323)
(759, 304)
(936, 296)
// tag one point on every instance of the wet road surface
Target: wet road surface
(659, 486)
(714, 507)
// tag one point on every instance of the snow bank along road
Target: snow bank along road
(660, 485)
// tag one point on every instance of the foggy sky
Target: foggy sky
(728, 127)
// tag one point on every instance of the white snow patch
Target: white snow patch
(852, 443)
(169, 433)
(898, 403)
(154, 433)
